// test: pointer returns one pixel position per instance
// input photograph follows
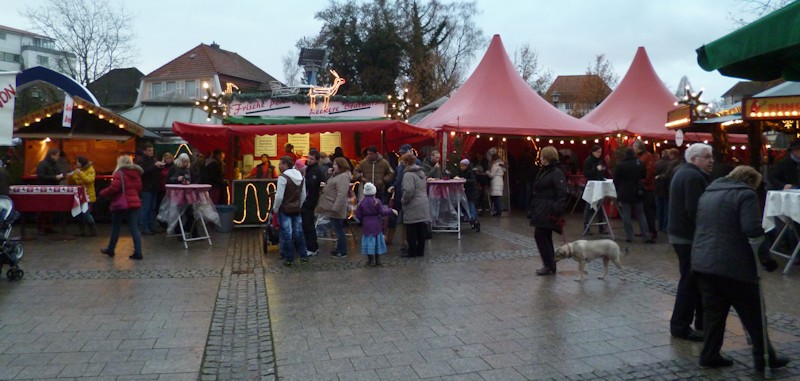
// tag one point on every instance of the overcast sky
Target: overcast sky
(567, 34)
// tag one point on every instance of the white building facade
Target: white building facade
(20, 50)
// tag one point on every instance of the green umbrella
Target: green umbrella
(764, 50)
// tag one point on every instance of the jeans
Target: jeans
(341, 238)
(292, 238)
(309, 229)
(117, 218)
(626, 219)
(473, 211)
(496, 205)
(662, 212)
(148, 216)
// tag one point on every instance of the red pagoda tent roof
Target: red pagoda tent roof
(496, 100)
(639, 105)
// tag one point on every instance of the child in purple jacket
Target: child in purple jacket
(370, 212)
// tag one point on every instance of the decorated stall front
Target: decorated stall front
(251, 197)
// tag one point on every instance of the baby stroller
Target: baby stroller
(272, 231)
(11, 252)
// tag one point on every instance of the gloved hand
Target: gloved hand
(770, 265)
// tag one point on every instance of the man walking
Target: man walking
(289, 198)
(315, 176)
(688, 184)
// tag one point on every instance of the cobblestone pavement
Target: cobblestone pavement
(471, 309)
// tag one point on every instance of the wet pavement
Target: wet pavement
(471, 309)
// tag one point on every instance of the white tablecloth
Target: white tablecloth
(781, 204)
(596, 191)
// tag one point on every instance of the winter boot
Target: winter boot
(370, 261)
(378, 261)
(92, 230)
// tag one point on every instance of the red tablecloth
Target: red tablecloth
(49, 198)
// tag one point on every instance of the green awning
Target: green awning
(270, 120)
(766, 49)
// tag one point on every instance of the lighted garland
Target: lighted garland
(258, 204)
(303, 98)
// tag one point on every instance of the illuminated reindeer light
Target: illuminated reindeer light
(325, 92)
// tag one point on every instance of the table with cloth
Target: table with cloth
(49, 198)
(447, 198)
(178, 200)
(595, 194)
(784, 205)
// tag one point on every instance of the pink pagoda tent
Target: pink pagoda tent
(639, 105)
(496, 100)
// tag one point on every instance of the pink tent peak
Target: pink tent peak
(496, 100)
(639, 105)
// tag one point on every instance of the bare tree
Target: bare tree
(754, 9)
(526, 60)
(603, 69)
(291, 70)
(99, 34)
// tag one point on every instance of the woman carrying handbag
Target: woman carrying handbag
(126, 183)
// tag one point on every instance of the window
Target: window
(170, 86)
(155, 89)
(2, 35)
(568, 106)
(190, 89)
(43, 60)
(9, 57)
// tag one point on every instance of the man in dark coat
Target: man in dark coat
(151, 185)
(48, 173)
(594, 169)
(688, 184)
(649, 201)
(315, 176)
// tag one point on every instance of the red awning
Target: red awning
(496, 100)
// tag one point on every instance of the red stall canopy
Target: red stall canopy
(496, 100)
(210, 137)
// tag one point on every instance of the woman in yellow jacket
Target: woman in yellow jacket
(83, 175)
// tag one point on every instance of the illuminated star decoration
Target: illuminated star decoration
(212, 103)
(696, 106)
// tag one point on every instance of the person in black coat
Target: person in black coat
(687, 185)
(215, 176)
(315, 175)
(151, 185)
(548, 204)
(628, 178)
(727, 238)
(594, 169)
(786, 174)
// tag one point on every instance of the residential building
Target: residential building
(577, 94)
(117, 90)
(20, 50)
(744, 89)
(168, 93)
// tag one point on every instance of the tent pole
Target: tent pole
(445, 152)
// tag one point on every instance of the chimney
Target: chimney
(214, 45)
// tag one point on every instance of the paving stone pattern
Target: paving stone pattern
(239, 343)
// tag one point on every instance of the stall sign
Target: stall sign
(772, 108)
(678, 118)
(285, 108)
(69, 104)
(8, 95)
(266, 144)
(300, 142)
(328, 141)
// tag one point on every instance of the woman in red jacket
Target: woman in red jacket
(126, 182)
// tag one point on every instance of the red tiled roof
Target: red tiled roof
(569, 86)
(205, 60)
(20, 31)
